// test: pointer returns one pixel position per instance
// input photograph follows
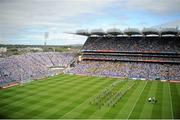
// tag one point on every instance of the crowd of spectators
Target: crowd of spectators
(158, 44)
(131, 57)
(23, 68)
(137, 70)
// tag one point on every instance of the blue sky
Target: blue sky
(26, 21)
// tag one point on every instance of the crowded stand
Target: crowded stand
(134, 44)
(103, 54)
(136, 57)
(133, 58)
(134, 70)
(27, 67)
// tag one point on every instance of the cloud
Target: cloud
(47, 12)
(29, 19)
(17, 15)
(155, 6)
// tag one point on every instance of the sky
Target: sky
(26, 21)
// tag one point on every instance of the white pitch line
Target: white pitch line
(171, 102)
(73, 109)
(137, 101)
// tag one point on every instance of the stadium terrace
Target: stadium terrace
(21, 69)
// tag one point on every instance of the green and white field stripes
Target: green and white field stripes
(72, 96)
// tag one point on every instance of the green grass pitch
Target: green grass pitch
(69, 96)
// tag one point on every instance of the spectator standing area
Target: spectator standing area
(32, 66)
(73, 96)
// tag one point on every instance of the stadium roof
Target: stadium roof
(132, 31)
(129, 32)
(83, 32)
(114, 31)
(169, 31)
(99, 32)
(150, 31)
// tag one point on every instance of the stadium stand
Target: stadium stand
(137, 57)
(111, 53)
(27, 67)
(133, 44)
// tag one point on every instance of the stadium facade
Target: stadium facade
(148, 54)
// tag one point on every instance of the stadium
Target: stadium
(136, 57)
(113, 71)
(118, 73)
